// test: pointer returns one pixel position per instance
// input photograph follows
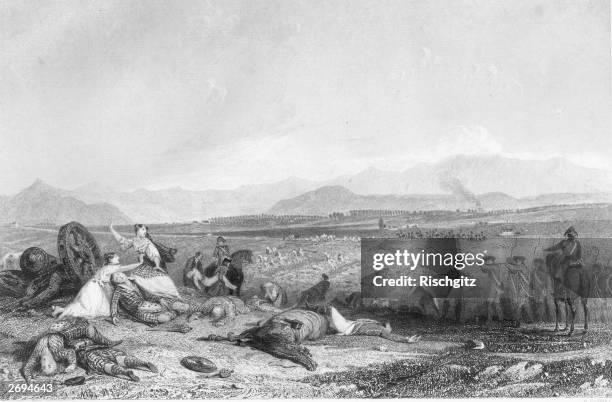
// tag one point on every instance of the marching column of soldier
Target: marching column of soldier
(145, 293)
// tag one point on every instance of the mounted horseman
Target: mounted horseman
(569, 277)
(571, 250)
(221, 250)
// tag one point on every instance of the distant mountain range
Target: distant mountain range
(180, 205)
(41, 203)
(328, 199)
(483, 174)
(452, 183)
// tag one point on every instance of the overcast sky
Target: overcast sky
(214, 94)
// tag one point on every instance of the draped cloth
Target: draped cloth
(152, 280)
(166, 253)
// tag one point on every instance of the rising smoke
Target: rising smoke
(454, 185)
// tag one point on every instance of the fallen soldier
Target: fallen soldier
(48, 278)
(363, 326)
(223, 309)
(282, 334)
(110, 361)
(128, 296)
(259, 304)
(53, 347)
(155, 310)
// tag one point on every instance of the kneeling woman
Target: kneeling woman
(94, 298)
(151, 275)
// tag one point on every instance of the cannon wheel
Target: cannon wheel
(78, 251)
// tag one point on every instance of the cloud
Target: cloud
(217, 93)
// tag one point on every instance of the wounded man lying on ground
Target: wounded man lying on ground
(130, 298)
(41, 279)
(110, 361)
(282, 334)
(223, 309)
(54, 347)
(155, 310)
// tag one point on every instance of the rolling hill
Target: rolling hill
(482, 174)
(42, 203)
(501, 183)
(180, 205)
(328, 199)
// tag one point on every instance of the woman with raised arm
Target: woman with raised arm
(151, 275)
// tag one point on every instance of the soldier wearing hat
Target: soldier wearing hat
(221, 250)
(570, 248)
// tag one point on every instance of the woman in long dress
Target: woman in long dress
(94, 298)
(150, 275)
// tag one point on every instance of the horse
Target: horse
(234, 272)
(570, 282)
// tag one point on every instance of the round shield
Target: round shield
(35, 260)
(80, 380)
(78, 252)
(198, 363)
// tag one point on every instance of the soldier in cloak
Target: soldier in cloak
(571, 249)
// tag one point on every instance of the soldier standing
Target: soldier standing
(542, 291)
(518, 289)
(495, 289)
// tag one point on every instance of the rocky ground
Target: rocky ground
(515, 362)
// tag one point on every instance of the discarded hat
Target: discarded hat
(474, 344)
(80, 380)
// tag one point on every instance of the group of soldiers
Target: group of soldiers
(530, 289)
(193, 272)
(441, 234)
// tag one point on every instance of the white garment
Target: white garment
(159, 286)
(94, 298)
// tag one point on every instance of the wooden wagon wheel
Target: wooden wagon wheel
(79, 252)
